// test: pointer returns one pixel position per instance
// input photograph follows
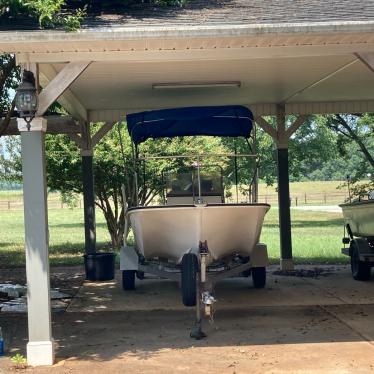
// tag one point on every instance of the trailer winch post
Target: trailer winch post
(197, 332)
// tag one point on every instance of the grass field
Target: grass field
(329, 187)
(316, 236)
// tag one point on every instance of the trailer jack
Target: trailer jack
(204, 298)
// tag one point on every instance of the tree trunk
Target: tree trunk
(115, 225)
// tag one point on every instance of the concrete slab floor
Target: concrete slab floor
(295, 325)
(333, 286)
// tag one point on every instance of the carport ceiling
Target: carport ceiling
(107, 85)
(128, 86)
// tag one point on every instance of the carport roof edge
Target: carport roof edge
(8, 38)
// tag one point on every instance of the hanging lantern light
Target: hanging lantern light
(26, 98)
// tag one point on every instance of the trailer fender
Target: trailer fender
(129, 259)
(259, 256)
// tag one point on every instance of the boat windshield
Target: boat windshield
(186, 183)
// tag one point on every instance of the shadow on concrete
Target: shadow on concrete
(104, 336)
(289, 311)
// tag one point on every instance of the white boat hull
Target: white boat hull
(172, 231)
(360, 217)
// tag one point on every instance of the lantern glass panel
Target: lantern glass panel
(25, 101)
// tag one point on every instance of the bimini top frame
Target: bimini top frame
(230, 121)
(225, 121)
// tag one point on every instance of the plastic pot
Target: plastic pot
(99, 266)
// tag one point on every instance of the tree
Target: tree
(114, 169)
(355, 135)
(357, 128)
(10, 161)
(9, 79)
(67, 14)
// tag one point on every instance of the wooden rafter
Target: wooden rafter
(367, 59)
(77, 139)
(57, 88)
(101, 133)
(281, 134)
(56, 125)
(265, 125)
(298, 122)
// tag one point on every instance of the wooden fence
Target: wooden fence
(297, 199)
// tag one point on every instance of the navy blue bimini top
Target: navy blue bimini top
(230, 121)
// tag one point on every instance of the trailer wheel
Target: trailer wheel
(189, 269)
(128, 280)
(259, 277)
(360, 269)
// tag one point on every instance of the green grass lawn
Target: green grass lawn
(306, 187)
(66, 236)
(316, 236)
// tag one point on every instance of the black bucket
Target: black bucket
(99, 266)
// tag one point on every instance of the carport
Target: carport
(301, 62)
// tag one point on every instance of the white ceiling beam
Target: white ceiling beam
(56, 87)
(55, 125)
(258, 109)
(367, 59)
(187, 53)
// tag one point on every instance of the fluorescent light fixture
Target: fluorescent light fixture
(198, 84)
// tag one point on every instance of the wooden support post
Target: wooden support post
(284, 192)
(40, 348)
(86, 143)
(88, 190)
(281, 136)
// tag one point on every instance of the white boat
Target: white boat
(359, 223)
(172, 231)
(195, 237)
(359, 215)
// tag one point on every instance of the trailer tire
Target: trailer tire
(128, 280)
(189, 269)
(259, 277)
(360, 270)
